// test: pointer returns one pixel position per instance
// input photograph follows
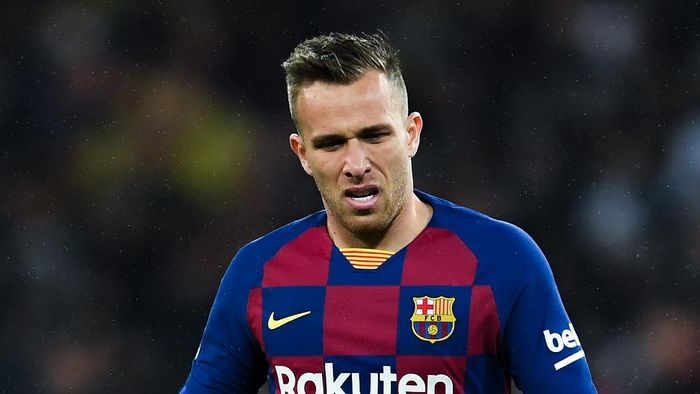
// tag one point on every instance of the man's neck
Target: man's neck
(412, 219)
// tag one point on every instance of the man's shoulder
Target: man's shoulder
(494, 242)
(454, 216)
(271, 242)
(477, 228)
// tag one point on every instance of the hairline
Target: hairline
(396, 81)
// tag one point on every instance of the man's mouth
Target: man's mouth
(362, 198)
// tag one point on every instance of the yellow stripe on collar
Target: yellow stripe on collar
(366, 259)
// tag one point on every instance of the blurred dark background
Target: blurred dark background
(144, 142)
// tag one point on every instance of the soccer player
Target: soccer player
(387, 289)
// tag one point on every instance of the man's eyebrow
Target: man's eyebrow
(332, 138)
(337, 137)
(374, 129)
(322, 140)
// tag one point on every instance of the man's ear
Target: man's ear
(414, 125)
(297, 145)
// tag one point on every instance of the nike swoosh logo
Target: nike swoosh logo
(273, 324)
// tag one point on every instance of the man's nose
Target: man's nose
(356, 161)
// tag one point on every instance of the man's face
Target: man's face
(357, 143)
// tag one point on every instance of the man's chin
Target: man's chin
(367, 224)
(363, 213)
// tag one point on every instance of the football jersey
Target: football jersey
(467, 306)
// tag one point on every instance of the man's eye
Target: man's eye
(375, 137)
(330, 145)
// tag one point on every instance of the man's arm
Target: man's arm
(229, 360)
(542, 348)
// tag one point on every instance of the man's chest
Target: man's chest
(367, 320)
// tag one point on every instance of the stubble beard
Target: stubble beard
(372, 225)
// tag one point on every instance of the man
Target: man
(387, 289)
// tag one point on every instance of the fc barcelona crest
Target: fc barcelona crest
(433, 319)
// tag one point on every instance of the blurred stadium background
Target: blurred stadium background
(144, 142)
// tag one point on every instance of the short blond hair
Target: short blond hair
(343, 59)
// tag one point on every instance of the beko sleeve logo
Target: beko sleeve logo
(557, 342)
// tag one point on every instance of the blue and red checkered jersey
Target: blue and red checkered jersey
(467, 306)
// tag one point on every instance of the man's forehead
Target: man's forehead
(372, 83)
(323, 107)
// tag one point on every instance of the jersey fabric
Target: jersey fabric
(469, 304)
